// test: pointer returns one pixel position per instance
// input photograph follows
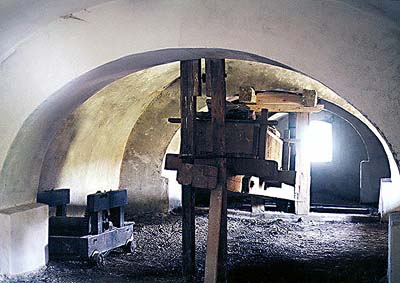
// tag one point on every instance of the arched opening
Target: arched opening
(139, 147)
(114, 134)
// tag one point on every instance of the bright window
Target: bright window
(318, 141)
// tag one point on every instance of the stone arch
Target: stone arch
(356, 55)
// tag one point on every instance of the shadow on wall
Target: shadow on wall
(144, 152)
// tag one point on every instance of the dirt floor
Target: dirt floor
(273, 247)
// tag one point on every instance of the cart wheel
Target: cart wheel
(130, 247)
(97, 259)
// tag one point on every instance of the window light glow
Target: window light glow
(318, 141)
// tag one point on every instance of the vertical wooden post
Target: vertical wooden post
(292, 132)
(303, 179)
(262, 143)
(286, 150)
(257, 203)
(393, 273)
(190, 88)
(217, 220)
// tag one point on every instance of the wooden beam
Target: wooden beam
(307, 99)
(190, 88)
(286, 150)
(257, 204)
(292, 124)
(198, 175)
(263, 134)
(303, 179)
(279, 98)
(285, 108)
(266, 169)
(215, 268)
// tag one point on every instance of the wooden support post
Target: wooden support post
(190, 88)
(258, 204)
(303, 178)
(263, 134)
(286, 150)
(393, 273)
(292, 131)
(215, 268)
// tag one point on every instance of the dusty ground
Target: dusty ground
(272, 248)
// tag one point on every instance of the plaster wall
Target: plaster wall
(87, 152)
(338, 182)
(349, 46)
(142, 162)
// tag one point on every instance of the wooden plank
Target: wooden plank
(262, 168)
(303, 179)
(198, 175)
(285, 108)
(279, 98)
(308, 98)
(190, 88)
(215, 267)
(267, 169)
(274, 147)
(292, 131)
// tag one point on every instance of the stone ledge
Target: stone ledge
(24, 238)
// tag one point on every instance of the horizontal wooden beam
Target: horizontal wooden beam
(280, 98)
(253, 167)
(267, 169)
(285, 108)
(306, 98)
(305, 101)
(197, 175)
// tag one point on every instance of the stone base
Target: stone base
(24, 238)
